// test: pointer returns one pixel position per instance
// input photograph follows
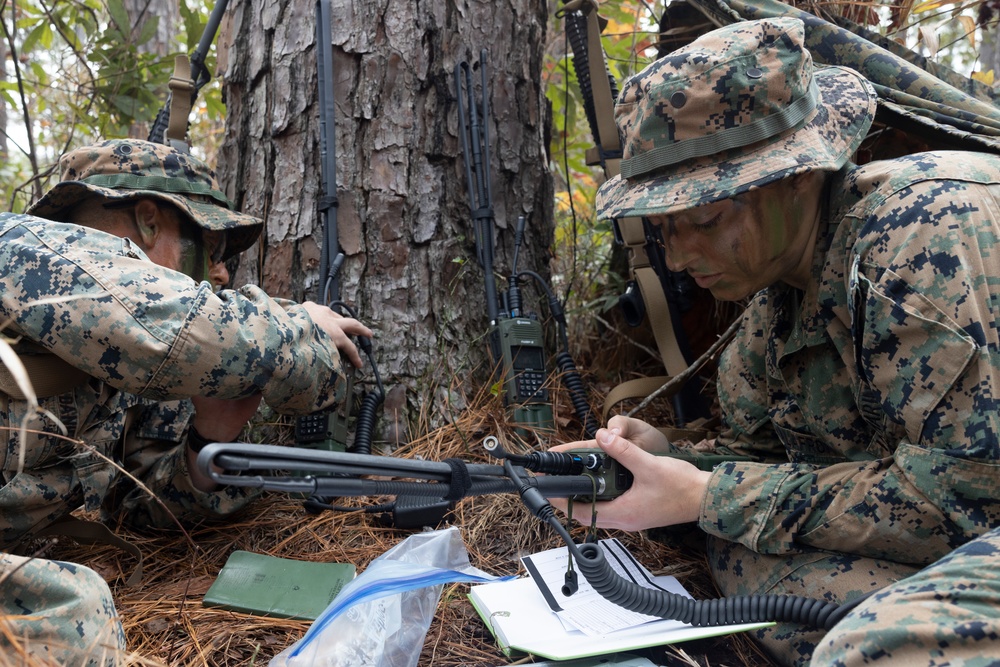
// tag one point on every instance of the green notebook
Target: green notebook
(280, 587)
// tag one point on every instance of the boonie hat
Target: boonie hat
(737, 108)
(122, 169)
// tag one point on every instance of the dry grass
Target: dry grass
(166, 624)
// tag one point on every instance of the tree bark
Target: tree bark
(404, 220)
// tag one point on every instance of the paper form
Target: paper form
(587, 610)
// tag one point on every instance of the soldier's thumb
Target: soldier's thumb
(615, 446)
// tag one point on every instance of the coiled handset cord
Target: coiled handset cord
(592, 563)
(564, 360)
(364, 422)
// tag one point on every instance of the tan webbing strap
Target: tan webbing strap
(181, 89)
(632, 232)
(640, 388)
(657, 309)
(637, 388)
(658, 312)
(92, 532)
(49, 376)
(604, 104)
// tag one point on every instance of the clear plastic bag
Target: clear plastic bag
(381, 618)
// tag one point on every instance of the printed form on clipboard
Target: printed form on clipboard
(531, 614)
(587, 610)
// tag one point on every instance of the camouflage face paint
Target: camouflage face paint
(194, 259)
(739, 246)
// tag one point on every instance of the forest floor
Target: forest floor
(166, 624)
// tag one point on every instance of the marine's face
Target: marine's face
(736, 247)
(194, 251)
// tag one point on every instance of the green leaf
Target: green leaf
(120, 16)
(38, 70)
(127, 104)
(40, 34)
(194, 24)
(148, 30)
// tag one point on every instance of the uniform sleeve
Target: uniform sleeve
(98, 303)
(925, 298)
(155, 454)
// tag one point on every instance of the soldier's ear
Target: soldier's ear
(149, 220)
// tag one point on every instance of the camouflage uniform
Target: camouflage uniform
(874, 391)
(865, 400)
(146, 338)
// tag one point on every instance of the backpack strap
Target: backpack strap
(181, 93)
(634, 238)
(632, 230)
(631, 389)
(697, 430)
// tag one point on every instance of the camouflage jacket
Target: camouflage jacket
(147, 337)
(869, 398)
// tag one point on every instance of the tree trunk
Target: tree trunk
(404, 219)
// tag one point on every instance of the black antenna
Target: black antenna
(474, 130)
(328, 202)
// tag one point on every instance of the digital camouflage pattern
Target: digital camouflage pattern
(881, 380)
(933, 621)
(869, 400)
(943, 107)
(836, 577)
(144, 334)
(148, 338)
(737, 108)
(85, 633)
(124, 169)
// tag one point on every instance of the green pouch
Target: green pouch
(279, 587)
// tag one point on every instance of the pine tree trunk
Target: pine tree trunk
(404, 220)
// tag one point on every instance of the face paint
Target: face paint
(738, 246)
(215, 245)
(193, 259)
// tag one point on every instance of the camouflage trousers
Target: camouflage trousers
(56, 613)
(945, 614)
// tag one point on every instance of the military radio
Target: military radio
(516, 341)
(516, 346)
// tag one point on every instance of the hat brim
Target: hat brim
(241, 229)
(835, 129)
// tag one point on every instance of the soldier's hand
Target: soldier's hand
(665, 491)
(640, 433)
(340, 329)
